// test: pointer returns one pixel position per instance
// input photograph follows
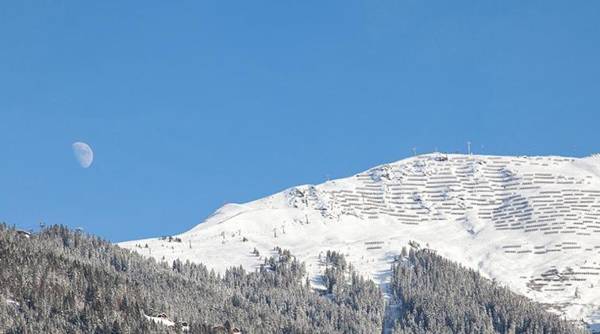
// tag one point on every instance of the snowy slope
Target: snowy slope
(532, 223)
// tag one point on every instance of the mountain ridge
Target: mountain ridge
(531, 223)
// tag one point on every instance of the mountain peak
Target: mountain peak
(532, 223)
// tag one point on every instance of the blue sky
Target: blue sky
(192, 104)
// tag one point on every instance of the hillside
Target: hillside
(63, 281)
(530, 223)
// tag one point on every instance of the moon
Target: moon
(83, 153)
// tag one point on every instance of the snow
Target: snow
(12, 303)
(161, 320)
(165, 321)
(531, 223)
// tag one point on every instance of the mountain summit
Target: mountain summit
(530, 223)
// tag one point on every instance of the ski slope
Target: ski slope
(531, 223)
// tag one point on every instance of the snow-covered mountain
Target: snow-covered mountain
(532, 223)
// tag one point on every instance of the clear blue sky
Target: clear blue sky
(191, 104)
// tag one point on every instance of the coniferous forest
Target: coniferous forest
(440, 296)
(64, 281)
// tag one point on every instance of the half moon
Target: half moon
(83, 153)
